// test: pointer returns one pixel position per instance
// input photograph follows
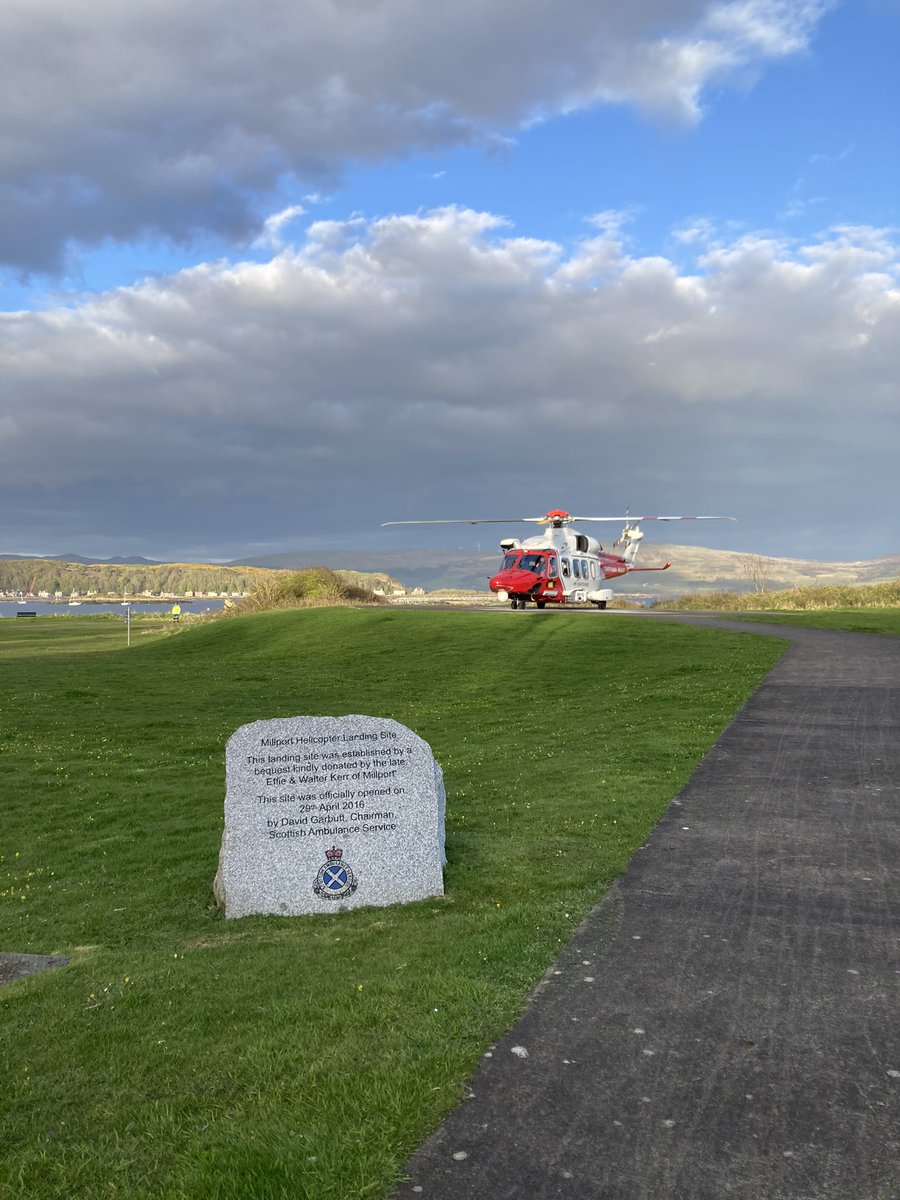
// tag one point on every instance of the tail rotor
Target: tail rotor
(630, 538)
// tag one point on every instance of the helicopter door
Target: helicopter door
(576, 589)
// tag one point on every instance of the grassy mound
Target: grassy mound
(181, 1056)
(309, 587)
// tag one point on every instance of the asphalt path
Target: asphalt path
(725, 1023)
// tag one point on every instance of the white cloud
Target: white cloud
(771, 28)
(273, 226)
(163, 117)
(401, 364)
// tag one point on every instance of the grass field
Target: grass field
(857, 620)
(56, 636)
(179, 1056)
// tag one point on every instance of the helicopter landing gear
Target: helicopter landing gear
(517, 602)
(599, 603)
(540, 603)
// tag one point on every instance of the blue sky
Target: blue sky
(185, 380)
(812, 142)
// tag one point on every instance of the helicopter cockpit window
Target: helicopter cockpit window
(532, 562)
(565, 568)
(510, 560)
(553, 566)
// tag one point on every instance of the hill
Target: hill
(51, 576)
(116, 559)
(433, 570)
(694, 568)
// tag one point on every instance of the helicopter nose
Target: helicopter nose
(513, 581)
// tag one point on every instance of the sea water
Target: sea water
(44, 608)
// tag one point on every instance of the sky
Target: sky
(273, 274)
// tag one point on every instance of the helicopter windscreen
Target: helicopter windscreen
(510, 560)
(532, 562)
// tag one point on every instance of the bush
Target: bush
(311, 587)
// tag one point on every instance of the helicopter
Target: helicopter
(561, 565)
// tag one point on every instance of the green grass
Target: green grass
(858, 620)
(39, 636)
(181, 1056)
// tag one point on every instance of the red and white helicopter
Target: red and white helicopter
(561, 565)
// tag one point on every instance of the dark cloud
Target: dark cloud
(436, 366)
(158, 116)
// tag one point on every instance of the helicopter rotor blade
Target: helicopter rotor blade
(631, 518)
(545, 520)
(470, 521)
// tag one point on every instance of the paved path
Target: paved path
(725, 1024)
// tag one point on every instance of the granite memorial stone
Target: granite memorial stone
(324, 814)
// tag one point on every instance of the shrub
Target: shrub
(310, 587)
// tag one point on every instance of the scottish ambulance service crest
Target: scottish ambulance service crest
(335, 879)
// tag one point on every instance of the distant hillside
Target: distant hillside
(693, 569)
(433, 570)
(117, 559)
(134, 579)
(36, 575)
(697, 569)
